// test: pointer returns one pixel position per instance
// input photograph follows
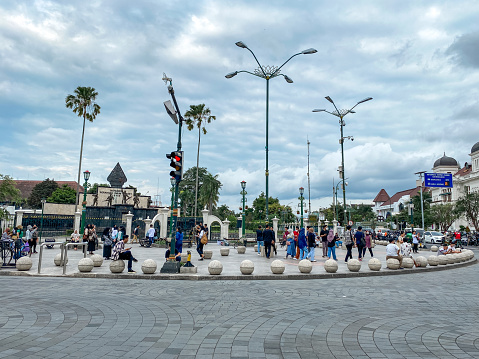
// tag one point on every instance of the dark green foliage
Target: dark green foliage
(41, 191)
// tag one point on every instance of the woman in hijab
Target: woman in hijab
(107, 242)
(303, 246)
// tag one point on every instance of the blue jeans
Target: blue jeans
(333, 251)
(303, 253)
(259, 243)
(127, 255)
(310, 253)
(150, 239)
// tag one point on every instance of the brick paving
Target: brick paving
(426, 315)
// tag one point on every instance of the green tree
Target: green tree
(64, 194)
(198, 116)
(444, 214)
(8, 193)
(209, 193)
(43, 190)
(468, 205)
(222, 212)
(84, 105)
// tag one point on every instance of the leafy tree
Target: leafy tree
(468, 205)
(93, 189)
(43, 190)
(209, 193)
(83, 104)
(276, 209)
(444, 214)
(8, 190)
(222, 212)
(187, 190)
(198, 116)
(64, 194)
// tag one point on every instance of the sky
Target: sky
(418, 60)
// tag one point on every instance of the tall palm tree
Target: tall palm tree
(209, 191)
(198, 116)
(84, 105)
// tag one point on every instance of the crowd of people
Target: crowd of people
(18, 242)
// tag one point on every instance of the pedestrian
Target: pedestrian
(150, 235)
(120, 252)
(35, 238)
(273, 242)
(303, 246)
(91, 238)
(368, 241)
(179, 240)
(324, 240)
(415, 242)
(8, 244)
(268, 239)
(331, 244)
(136, 233)
(360, 242)
(349, 243)
(311, 237)
(201, 242)
(259, 239)
(291, 248)
(114, 234)
(296, 234)
(107, 243)
(75, 238)
(28, 237)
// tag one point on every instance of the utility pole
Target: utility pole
(309, 182)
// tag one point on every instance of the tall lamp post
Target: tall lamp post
(301, 192)
(86, 176)
(173, 183)
(267, 73)
(243, 193)
(341, 113)
(41, 220)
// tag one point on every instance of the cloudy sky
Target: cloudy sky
(419, 60)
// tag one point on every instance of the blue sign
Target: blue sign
(438, 180)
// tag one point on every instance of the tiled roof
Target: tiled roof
(464, 171)
(25, 186)
(397, 196)
(382, 196)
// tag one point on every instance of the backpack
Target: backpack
(330, 236)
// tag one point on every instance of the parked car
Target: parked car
(433, 237)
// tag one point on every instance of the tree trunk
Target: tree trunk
(79, 165)
(197, 164)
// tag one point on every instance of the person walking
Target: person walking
(199, 247)
(114, 234)
(324, 240)
(107, 243)
(296, 234)
(28, 238)
(91, 238)
(268, 239)
(311, 236)
(368, 244)
(35, 238)
(291, 248)
(136, 233)
(303, 246)
(151, 235)
(360, 242)
(179, 240)
(259, 239)
(120, 252)
(348, 242)
(415, 242)
(331, 244)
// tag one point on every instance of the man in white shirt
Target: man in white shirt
(392, 251)
(151, 235)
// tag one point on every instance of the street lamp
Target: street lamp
(41, 220)
(301, 192)
(86, 176)
(173, 184)
(243, 192)
(341, 113)
(267, 73)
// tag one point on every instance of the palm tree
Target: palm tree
(209, 191)
(198, 116)
(83, 104)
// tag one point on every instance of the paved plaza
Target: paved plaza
(423, 315)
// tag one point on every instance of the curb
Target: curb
(308, 276)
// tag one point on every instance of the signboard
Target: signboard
(438, 180)
(350, 223)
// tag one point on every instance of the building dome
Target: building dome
(447, 161)
(475, 148)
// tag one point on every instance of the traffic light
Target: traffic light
(176, 158)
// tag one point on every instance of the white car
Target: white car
(433, 237)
